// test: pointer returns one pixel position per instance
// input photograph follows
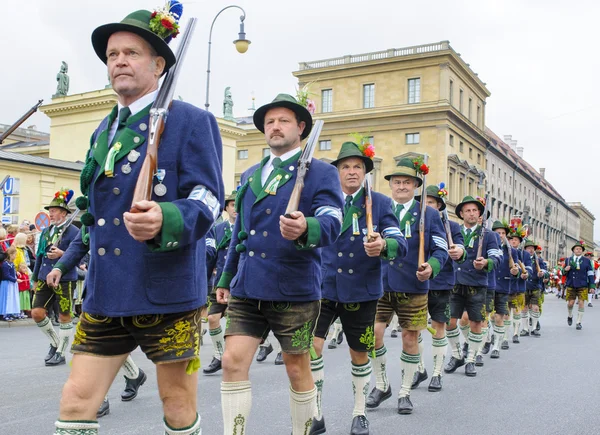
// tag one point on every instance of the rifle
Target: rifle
(511, 261)
(369, 207)
(20, 121)
(446, 223)
(303, 166)
(421, 258)
(65, 227)
(484, 219)
(158, 118)
(538, 269)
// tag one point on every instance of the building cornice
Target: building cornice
(80, 102)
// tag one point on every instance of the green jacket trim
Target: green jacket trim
(391, 251)
(435, 266)
(313, 235)
(225, 280)
(490, 265)
(171, 230)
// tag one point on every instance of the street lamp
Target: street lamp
(241, 45)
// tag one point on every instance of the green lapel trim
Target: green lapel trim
(354, 208)
(254, 180)
(100, 147)
(408, 216)
(282, 171)
(467, 239)
(127, 140)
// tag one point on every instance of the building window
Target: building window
(412, 138)
(461, 147)
(327, 100)
(371, 140)
(470, 106)
(324, 145)
(479, 116)
(266, 152)
(470, 152)
(451, 140)
(493, 170)
(499, 173)
(471, 192)
(478, 158)
(451, 191)
(451, 96)
(369, 96)
(460, 101)
(242, 154)
(414, 91)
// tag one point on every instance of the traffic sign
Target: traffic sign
(42, 221)
(11, 187)
(7, 205)
(6, 220)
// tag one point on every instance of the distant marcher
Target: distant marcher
(9, 290)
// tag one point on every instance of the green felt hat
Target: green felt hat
(139, 22)
(350, 149)
(231, 197)
(530, 242)
(469, 200)
(498, 225)
(61, 200)
(406, 168)
(434, 191)
(581, 244)
(289, 102)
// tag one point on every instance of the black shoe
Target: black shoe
(479, 360)
(453, 364)
(504, 345)
(419, 377)
(465, 349)
(578, 326)
(377, 396)
(332, 344)
(56, 360)
(55, 322)
(569, 321)
(516, 339)
(530, 322)
(318, 426)
(539, 326)
(50, 353)
(405, 406)
(340, 337)
(590, 304)
(495, 354)
(535, 333)
(263, 352)
(524, 333)
(435, 384)
(394, 333)
(104, 409)
(132, 386)
(213, 367)
(360, 425)
(279, 359)
(486, 348)
(470, 370)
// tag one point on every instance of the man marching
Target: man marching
(439, 292)
(516, 300)
(352, 277)
(272, 279)
(406, 283)
(533, 290)
(54, 241)
(580, 279)
(147, 277)
(469, 293)
(220, 237)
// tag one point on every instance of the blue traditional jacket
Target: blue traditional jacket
(466, 274)
(167, 274)
(446, 279)
(349, 274)
(534, 282)
(581, 274)
(400, 275)
(264, 265)
(492, 276)
(217, 247)
(505, 281)
(525, 258)
(44, 265)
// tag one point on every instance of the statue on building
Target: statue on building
(228, 105)
(62, 88)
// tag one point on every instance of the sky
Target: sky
(538, 58)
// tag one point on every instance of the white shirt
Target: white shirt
(135, 107)
(268, 167)
(407, 207)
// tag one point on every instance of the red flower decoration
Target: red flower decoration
(153, 14)
(369, 152)
(175, 34)
(166, 24)
(424, 169)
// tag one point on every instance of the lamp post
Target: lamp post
(241, 45)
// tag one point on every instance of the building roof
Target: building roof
(23, 144)
(41, 161)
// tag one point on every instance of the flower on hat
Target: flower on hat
(164, 21)
(302, 98)
(364, 144)
(420, 166)
(442, 192)
(517, 229)
(481, 200)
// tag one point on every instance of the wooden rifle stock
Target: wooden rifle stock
(522, 266)
(511, 260)
(294, 202)
(369, 208)
(446, 222)
(537, 264)
(421, 257)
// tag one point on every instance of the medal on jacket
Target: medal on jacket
(271, 188)
(126, 168)
(472, 242)
(160, 189)
(407, 233)
(355, 227)
(133, 156)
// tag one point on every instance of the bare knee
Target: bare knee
(379, 332)
(38, 314)
(213, 321)
(75, 402)
(233, 364)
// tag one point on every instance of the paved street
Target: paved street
(541, 386)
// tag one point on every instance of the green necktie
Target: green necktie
(276, 163)
(399, 208)
(348, 203)
(468, 232)
(124, 114)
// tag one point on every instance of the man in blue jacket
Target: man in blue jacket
(516, 299)
(147, 278)
(533, 290)
(406, 283)
(352, 279)
(580, 279)
(218, 239)
(469, 293)
(272, 279)
(54, 241)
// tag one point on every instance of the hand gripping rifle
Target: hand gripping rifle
(446, 222)
(65, 227)
(303, 166)
(369, 207)
(484, 220)
(421, 258)
(158, 118)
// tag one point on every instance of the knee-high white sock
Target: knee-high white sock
(409, 365)
(302, 405)
(129, 369)
(236, 402)
(64, 335)
(580, 315)
(525, 320)
(421, 367)
(317, 367)
(440, 347)
(484, 334)
(47, 328)
(218, 340)
(76, 427)
(474, 345)
(516, 323)
(381, 379)
(570, 309)
(193, 429)
(454, 341)
(535, 316)
(465, 330)
(498, 336)
(361, 374)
